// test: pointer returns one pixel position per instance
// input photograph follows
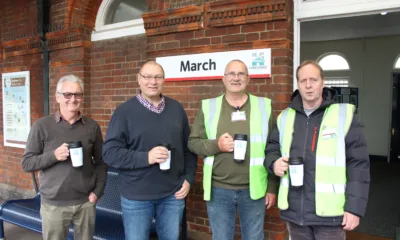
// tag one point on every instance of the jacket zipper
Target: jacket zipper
(302, 189)
(314, 139)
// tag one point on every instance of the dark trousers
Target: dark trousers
(298, 232)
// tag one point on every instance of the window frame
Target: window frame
(320, 58)
(109, 31)
(397, 62)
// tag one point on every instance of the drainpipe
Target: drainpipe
(43, 22)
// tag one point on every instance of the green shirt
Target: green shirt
(226, 172)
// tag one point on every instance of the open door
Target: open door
(395, 134)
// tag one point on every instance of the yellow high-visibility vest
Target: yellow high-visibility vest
(330, 168)
(259, 118)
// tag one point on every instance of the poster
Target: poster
(16, 108)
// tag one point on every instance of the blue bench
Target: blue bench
(26, 213)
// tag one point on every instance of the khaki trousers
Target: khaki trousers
(57, 219)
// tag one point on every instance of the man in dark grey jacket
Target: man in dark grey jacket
(300, 206)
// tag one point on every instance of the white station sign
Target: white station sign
(211, 66)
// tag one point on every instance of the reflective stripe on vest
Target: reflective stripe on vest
(330, 170)
(259, 120)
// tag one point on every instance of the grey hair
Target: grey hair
(68, 78)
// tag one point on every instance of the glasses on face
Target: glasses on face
(149, 77)
(68, 95)
(240, 75)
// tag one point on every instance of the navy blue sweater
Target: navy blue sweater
(133, 132)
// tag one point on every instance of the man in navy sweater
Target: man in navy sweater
(136, 130)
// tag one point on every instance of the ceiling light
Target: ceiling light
(383, 13)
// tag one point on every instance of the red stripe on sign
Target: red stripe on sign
(194, 78)
(260, 75)
(212, 78)
(15, 142)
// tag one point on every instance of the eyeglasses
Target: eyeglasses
(149, 77)
(240, 75)
(68, 95)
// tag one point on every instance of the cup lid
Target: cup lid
(295, 160)
(166, 145)
(240, 137)
(75, 144)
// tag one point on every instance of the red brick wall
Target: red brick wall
(10, 157)
(228, 32)
(20, 51)
(114, 65)
(109, 67)
(19, 23)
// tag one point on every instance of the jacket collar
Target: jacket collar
(328, 95)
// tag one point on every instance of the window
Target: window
(125, 10)
(333, 62)
(397, 63)
(119, 18)
(334, 82)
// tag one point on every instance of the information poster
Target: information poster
(16, 108)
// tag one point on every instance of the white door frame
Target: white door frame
(309, 10)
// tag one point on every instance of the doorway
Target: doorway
(394, 156)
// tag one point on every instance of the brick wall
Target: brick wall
(12, 178)
(226, 26)
(114, 65)
(109, 67)
(18, 26)
(21, 51)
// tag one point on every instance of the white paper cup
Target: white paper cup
(296, 175)
(239, 152)
(296, 171)
(167, 164)
(76, 153)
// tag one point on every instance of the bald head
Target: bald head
(235, 62)
(154, 63)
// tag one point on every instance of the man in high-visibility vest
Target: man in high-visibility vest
(228, 185)
(329, 140)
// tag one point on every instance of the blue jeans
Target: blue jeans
(222, 214)
(137, 217)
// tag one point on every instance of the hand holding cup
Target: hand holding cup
(281, 166)
(225, 143)
(62, 152)
(158, 154)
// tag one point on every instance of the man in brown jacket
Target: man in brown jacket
(68, 193)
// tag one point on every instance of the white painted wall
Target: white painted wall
(373, 25)
(371, 61)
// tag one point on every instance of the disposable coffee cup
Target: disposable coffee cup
(165, 166)
(296, 171)
(240, 146)
(76, 153)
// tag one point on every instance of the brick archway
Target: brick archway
(82, 12)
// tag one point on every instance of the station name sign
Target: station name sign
(211, 66)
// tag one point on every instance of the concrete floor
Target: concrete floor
(13, 232)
